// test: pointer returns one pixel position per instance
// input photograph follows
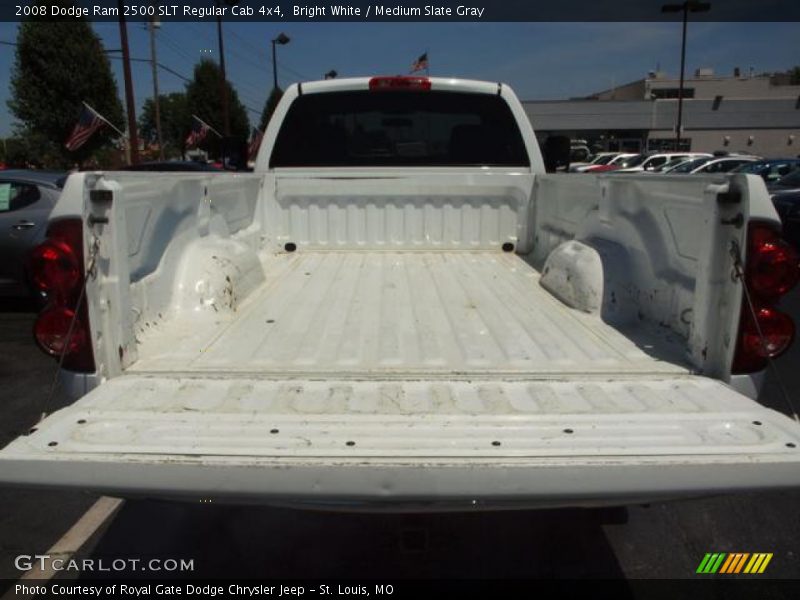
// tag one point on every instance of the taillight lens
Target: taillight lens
(377, 84)
(52, 330)
(55, 267)
(778, 331)
(773, 266)
(772, 269)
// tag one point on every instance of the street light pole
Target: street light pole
(685, 7)
(679, 125)
(282, 40)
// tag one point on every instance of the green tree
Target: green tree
(203, 99)
(176, 119)
(58, 66)
(30, 148)
(269, 107)
(794, 76)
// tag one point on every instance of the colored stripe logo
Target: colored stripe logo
(734, 563)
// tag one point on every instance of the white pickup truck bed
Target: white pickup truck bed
(403, 314)
(451, 334)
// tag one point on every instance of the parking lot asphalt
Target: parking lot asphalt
(660, 540)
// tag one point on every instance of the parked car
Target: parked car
(617, 162)
(770, 170)
(600, 158)
(653, 162)
(724, 165)
(26, 199)
(712, 165)
(785, 194)
(370, 321)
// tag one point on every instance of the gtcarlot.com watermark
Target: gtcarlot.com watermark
(46, 562)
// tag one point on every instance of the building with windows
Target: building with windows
(753, 114)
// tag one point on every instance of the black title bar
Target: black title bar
(399, 10)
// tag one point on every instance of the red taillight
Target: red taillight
(753, 350)
(51, 331)
(772, 269)
(773, 266)
(55, 267)
(377, 84)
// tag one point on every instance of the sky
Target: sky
(539, 60)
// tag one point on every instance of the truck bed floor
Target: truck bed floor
(403, 314)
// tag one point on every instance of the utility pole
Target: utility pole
(226, 117)
(153, 24)
(133, 138)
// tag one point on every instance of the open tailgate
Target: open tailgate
(547, 442)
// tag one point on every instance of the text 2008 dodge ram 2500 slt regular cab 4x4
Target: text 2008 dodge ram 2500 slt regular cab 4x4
(400, 307)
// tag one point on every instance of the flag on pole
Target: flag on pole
(255, 143)
(89, 122)
(421, 64)
(199, 131)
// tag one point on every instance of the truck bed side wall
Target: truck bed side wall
(663, 248)
(171, 243)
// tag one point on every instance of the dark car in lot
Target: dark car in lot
(26, 200)
(771, 170)
(785, 195)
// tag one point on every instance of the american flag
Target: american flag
(89, 122)
(421, 64)
(255, 143)
(198, 133)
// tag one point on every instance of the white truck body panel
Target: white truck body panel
(399, 355)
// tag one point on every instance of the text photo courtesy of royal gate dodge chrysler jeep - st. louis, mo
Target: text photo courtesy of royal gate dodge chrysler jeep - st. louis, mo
(389, 299)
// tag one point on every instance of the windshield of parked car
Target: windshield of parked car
(754, 167)
(672, 162)
(772, 169)
(690, 165)
(632, 161)
(389, 129)
(603, 160)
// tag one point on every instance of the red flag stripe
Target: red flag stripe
(87, 124)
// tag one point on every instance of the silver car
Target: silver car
(26, 199)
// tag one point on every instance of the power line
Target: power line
(174, 47)
(160, 66)
(296, 73)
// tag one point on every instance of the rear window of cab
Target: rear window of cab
(403, 128)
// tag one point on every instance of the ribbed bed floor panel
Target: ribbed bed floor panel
(405, 313)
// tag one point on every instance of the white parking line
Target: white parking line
(72, 541)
